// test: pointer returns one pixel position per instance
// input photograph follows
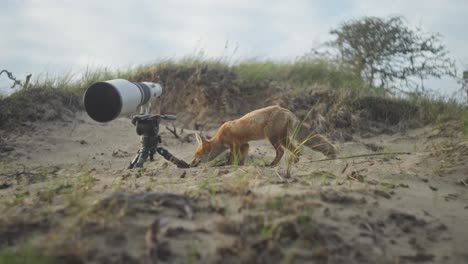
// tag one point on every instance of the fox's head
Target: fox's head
(205, 151)
(202, 151)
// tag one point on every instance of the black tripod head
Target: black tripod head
(147, 126)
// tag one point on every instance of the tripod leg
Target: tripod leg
(139, 159)
(133, 162)
(151, 154)
(168, 156)
(143, 156)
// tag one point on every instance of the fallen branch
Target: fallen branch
(356, 176)
(344, 169)
(173, 131)
(364, 155)
(279, 176)
(186, 138)
(463, 183)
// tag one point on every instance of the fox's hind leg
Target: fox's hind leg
(279, 151)
(276, 139)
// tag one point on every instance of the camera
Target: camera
(107, 100)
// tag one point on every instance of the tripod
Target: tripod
(147, 126)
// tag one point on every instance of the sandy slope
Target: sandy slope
(64, 188)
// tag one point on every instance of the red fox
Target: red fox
(275, 123)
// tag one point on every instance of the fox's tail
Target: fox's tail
(315, 141)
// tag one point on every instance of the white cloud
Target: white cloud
(58, 35)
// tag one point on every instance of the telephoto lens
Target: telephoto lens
(105, 101)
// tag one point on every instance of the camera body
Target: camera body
(147, 125)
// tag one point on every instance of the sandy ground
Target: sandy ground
(65, 192)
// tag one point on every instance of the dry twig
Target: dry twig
(15, 81)
(173, 131)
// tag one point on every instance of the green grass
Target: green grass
(210, 184)
(301, 74)
(440, 110)
(26, 255)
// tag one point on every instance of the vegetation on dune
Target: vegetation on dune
(248, 77)
(301, 74)
(42, 103)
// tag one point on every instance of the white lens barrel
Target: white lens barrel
(107, 100)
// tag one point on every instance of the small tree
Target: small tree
(464, 82)
(385, 52)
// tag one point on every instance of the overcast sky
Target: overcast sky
(56, 36)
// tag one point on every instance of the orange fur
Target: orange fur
(275, 123)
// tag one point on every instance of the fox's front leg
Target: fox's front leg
(234, 157)
(244, 152)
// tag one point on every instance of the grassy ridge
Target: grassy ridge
(302, 75)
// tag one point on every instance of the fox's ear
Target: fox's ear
(198, 138)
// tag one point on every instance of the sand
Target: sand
(65, 191)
